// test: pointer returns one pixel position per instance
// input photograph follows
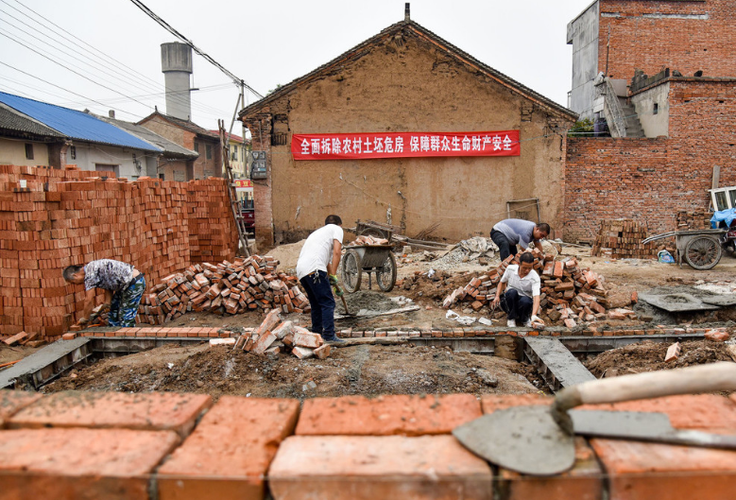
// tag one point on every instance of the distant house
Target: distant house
(192, 137)
(237, 154)
(57, 136)
(174, 163)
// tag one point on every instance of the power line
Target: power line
(167, 26)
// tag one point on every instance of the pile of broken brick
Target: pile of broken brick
(275, 336)
(226, 288)
(569, 293)
(25, 339)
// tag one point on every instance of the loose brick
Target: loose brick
(377, 467)
(387, 415)
(80, 463)
(229, 452)
(154, 411)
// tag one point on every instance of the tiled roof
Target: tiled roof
(185, 124)
(75, 124)
(17, 124)
(170, 149)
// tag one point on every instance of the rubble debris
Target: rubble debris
(226, 288)
(274, 336)
(673, 352)
(367, 240)
(477, 248)
(16, 339)
(569, 293)
(621, 239)
(717, 335)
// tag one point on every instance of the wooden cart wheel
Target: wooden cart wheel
(703, 253)
(352, 269)
(386, 274)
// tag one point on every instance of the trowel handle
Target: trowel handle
(691, 380)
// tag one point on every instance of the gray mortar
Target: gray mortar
(367, 300)
(660, 316)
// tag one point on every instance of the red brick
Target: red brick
(80, 463)
(386, 415)
(154, 411)
(493, 402)
(229, 452)
(378, 467)
(13, 401)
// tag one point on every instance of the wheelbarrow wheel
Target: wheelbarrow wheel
(352, 271)
(703, 253)
(386, 274)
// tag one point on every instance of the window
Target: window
(723, 198)
(234, 153)
(208, 149)
(656, 108)
(29, 151)
(196, 146)
(73, 152)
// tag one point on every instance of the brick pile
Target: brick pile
(275, 336)
(691, 221)
(65, 217)
(226, 288)
(568, 293)
(621, 239)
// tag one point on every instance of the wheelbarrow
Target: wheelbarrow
(378, 260)
(701, 249)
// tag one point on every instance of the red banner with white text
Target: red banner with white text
(404, 145)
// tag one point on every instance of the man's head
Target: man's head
(541, 231)
(333, 219)
(74, 274)
(526, 263)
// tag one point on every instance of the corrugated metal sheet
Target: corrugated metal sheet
(75, 124)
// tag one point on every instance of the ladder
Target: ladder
(245, 244)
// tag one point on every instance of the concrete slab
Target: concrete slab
(47, 363)
(677, 302)
(555, 362)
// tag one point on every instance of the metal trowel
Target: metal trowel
(538, 440)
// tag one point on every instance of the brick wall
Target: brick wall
(684, 36)
(651, 180)
(67, 217)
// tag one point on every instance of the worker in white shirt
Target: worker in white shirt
(519, 292)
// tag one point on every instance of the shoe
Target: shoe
(528, 323)
(333, 340)
(511, 323)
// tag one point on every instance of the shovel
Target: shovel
(344, 302)
(539, 440)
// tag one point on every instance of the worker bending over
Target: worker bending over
(123, 285)
(511, 232)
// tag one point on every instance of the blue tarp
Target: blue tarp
(726, 216)
(75, 124)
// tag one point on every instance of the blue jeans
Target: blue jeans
(505, 248)
(516, 306)
(319, 293)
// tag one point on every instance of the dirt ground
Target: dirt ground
(368, 370)
(424, 280)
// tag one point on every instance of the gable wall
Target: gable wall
(407, 87)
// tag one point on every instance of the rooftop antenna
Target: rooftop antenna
(407, 17)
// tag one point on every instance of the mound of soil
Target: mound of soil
(368, 370)
(649, 356)
(423, 289)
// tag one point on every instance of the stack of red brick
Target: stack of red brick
(65, 217)
(275, 336)
(622, 239)
(691, 221)
(568, 293)
(227, 288)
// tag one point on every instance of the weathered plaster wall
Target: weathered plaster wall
(410, 85)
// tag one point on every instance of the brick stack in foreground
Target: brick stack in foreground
(182, 446)
(65, 217)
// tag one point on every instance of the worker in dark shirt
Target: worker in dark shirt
(123, 285)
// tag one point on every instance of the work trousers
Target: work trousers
(505, 248)
(124, 303)
(516, 306)
(319, 293)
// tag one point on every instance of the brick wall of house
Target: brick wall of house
(67, 217)
(683, 35)
(651, 180)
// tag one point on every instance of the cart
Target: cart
(376, 229)
(701, 249)
(376, 259)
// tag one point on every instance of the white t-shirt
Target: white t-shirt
(529, 285)
(316, 253)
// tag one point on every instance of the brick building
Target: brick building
(619, 37)
(192, 137)
(406, 79)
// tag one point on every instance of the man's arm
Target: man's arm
(535, 304)
(336, 254)
(499, 292)
(89, 304)
(538, 244)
